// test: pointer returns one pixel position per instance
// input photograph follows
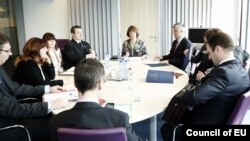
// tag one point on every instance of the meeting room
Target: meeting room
(124, 70)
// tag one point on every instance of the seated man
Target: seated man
(34, 116)
(76, 49)
(87, 113)
(215, 98)
(179, 45)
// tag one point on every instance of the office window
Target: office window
(8, 23)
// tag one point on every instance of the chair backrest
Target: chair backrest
(14, 133)
(61, 43)
(240, 109)
(107, 134)
(187, 58)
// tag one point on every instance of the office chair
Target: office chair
(61, 43)
(187, 59)
(240, 110)
(11, 133)
(238, 114)
(107, 134)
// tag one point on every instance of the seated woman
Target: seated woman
(34, 67)
(53, 51)
(133, 47)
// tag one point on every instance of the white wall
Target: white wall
(42, 16)
(227, 17)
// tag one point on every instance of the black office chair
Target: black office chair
(14, 133)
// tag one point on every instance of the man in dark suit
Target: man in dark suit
(176, 56)
(34, 116)
(76, 49)
(216, 97)
(87, 113)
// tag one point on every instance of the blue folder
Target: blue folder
(156, 76)
(157, 65)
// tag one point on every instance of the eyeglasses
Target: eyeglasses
(7, 51)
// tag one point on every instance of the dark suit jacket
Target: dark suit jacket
(176, 57)
(214, 100)
(91, 115)
(11, 111)
(73, 53)
(28, 72)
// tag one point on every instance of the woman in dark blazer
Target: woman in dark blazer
(34, 67)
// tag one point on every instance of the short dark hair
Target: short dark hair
(3, 40)
(134, 29)
(210, 32)
(72, 30)
(50, 36)
(221, 39)
(88, 73)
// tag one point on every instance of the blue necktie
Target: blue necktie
(81, 45)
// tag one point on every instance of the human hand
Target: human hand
(58, 103)
(91, 54)
(44, 55)
(46, 59)
(186, 52)
(144, 57)
(157, 58)
(164, 62)
(127, 54)
(200, 75)
(56, 89)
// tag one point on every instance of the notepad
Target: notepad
(156, 76)
(69, 72)
(157, 65)
(127, 108)
(69, 95)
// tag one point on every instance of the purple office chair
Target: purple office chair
(240, 109)
(107, 134)
(61, 43)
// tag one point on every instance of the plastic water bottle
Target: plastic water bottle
(130, 78)
(120, 71)
(125, 68)
(107, 58)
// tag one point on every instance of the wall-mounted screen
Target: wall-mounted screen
(195, 35)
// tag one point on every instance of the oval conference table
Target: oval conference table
(144, 100)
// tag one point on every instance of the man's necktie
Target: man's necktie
(81, 45)
(176, 45)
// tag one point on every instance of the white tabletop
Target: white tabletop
(146, 99)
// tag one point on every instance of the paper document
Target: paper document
(127, 108)
(70, 96)
(69, 71)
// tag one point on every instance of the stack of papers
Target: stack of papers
(127, 108)
(69, 71)
(70, 96)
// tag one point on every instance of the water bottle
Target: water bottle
(125, 68)
(107, 58)
(120, 71)
(130, 78)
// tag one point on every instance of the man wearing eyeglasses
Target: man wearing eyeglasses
(34, 116)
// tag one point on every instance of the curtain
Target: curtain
(191, 13)
(99, 20)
